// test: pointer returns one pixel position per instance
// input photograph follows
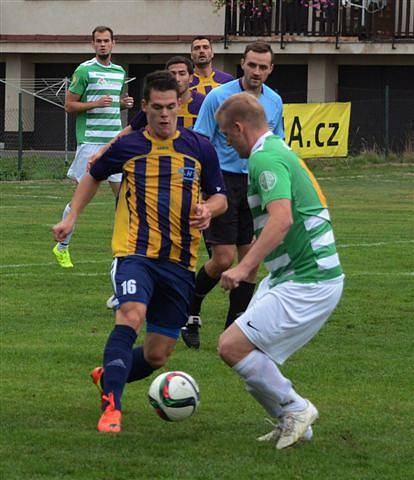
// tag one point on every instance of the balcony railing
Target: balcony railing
(289, 19)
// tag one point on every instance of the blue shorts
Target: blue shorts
(163, 286)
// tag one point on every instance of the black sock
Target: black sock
(239, 300)
(140, 367)
(117, 361)
(203, 284)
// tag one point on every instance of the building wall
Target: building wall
(139, 17)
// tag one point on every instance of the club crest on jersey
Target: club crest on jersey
(101, 81)
(188, 173)
(267, 180)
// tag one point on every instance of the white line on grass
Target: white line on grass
(98, 274)
(46, 264)
(85, 262)
(14, 195)
(377, 175)
(377, 244)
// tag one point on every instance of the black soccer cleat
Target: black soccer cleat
(191, 332)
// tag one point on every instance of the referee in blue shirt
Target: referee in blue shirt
(230, 235)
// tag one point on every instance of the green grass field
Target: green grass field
(358, 370)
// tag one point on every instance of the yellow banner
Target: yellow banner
(317, 129)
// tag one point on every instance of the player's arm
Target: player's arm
(206, 123)
(139, 121)
(212, 186)
(277, 226)
(278, 130)
(84, 193)
(94, 158)
(74, 105)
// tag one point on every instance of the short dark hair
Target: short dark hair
(200, 37)
(100, 29)
(161, 81)
(180, 59)
(259, 47)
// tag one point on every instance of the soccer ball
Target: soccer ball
(174, 395)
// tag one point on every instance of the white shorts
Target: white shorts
(280, 320)
(78, 168)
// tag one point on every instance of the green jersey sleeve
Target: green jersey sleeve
(79, 81)
(271, 178)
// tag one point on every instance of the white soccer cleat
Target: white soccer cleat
(112, 302)
(295, 424)
(274, 435)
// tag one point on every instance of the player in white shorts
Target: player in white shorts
(95, 96)
(305, 281)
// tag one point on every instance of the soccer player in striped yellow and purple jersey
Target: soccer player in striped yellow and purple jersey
(95, 95)
(156, 236)
(205, 77)
(190, 100)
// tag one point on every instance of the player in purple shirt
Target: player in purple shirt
(191, 100)
(205, 77)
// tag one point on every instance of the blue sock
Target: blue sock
(118, 360)
(140, 367)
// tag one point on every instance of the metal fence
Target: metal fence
(44, 145)
(365, 20)
(38, 138)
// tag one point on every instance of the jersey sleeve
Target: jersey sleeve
(79, 81)
(206, 123)
(139, 121)
(271, 177)
(111, 161)
(278, 130)
(211, 180)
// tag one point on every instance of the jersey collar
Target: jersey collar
(242, 88)
(260, 141)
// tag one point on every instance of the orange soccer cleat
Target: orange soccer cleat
(110, 420)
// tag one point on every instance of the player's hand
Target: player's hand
(62, 229)
(104, 101)
(202, 217)
(94, 158)
(127, 102)
(231, 278)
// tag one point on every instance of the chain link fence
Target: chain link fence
(38, 138)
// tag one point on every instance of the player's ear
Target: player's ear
(239, 127)
(191, 77)
(143, 105)
(242, 62)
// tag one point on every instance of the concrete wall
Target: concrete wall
(139, 17)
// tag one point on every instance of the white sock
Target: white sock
(65, 243)
(271, 389)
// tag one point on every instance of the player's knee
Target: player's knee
(225, 348)
(157, 358)
(133, 317)
(223, 262)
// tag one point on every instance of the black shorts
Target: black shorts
(234, 227)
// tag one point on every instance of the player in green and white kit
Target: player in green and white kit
(95, 96)
(305, 282)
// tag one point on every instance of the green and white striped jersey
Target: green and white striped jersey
(91, 81)
(308, 252)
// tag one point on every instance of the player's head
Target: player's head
(257, 64)
(201, 51)
(161, 103)
(103, 41)
(242, 120)
(182, 69)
